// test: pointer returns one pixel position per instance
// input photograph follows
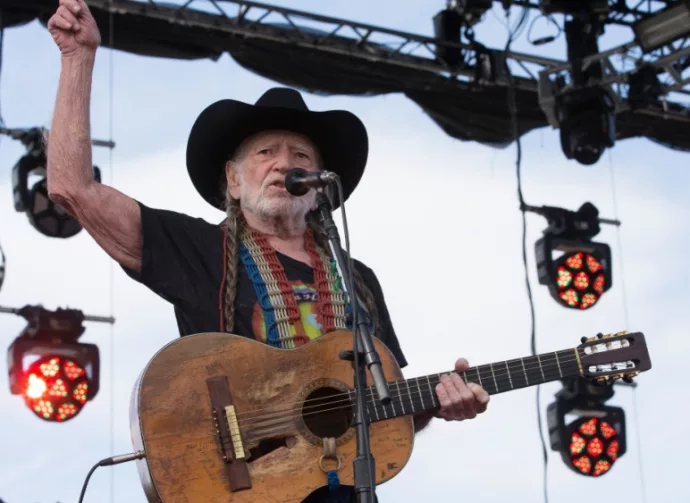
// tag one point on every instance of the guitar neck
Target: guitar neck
(418, 394)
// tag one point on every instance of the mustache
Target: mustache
(274, 180)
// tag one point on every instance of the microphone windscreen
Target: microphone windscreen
(294, 182)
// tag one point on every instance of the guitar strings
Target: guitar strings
(346, 396)
(415, 392)
(349, 394)
(285, 424)
(488, 370)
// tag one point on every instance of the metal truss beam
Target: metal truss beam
(555, 81)
(254, 20)
(621, 12)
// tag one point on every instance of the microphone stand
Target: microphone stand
(364, 353)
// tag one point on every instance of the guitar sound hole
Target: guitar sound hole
(327, 412)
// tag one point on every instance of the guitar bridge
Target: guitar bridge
(228, 433)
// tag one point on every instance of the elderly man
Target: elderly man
(237, 158)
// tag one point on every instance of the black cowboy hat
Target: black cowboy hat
(339, 135)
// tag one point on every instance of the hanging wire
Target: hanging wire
(111, 272)
(626, 320)
(513, 34)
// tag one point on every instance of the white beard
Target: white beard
(272, 206)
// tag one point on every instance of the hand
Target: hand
(73, 28)
(459, 400)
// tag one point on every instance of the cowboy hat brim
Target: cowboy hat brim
(339, 135)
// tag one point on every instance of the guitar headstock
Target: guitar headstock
(609, 357)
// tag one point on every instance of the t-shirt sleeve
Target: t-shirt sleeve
(178, 253)
(387, 332)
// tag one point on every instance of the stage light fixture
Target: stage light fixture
(589, 435)
(31, 197)
(45, 216)
(471, 11)
(449, 24)
(587, 124)
(574, 6)
(664, 27)
(586, 113)
(576, 270)
(55, 374)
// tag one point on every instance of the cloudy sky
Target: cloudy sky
(438, 221)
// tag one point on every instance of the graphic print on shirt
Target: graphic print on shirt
(307, 299)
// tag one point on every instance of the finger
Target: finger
(454, 408)
(83, 6)
(67, 15)
(481, 396)
(72, 5)
(461, 365)
(465, 403)
(443, 400)
(57, 21)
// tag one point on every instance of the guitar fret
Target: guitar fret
(560, 372)
(522, 360)
(376, 406)
(421, 395)
(541, 368)
(516, 375)
(410, 395)
(431, 392)
(493, 374)
(402, 403)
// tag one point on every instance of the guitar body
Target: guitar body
(273, 392)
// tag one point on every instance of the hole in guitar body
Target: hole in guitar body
(327, 412)
(268, 445)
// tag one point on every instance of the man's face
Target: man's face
(257, 176)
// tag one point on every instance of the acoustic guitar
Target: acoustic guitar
(222, 418)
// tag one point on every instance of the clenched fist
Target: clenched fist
(73, 28)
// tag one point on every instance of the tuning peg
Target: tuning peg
(622, 332)
(627, 379)
(600, 335)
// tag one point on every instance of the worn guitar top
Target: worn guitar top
(182, 261)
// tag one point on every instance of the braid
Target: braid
(232, 225)
(360, 287)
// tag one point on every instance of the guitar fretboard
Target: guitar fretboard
(418, 394)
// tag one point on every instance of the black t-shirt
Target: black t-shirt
(183, 262)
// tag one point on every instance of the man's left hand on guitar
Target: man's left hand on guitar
(460, 400)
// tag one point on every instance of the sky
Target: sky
(437, 220)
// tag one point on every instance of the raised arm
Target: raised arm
(109, 216)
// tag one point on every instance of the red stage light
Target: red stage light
(594, 446)
(580, 279)
(56, 388)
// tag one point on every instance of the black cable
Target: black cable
(86, 482)
(546, 39)
(512, 106)
(115, 460)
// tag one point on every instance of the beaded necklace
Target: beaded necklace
(274, 293)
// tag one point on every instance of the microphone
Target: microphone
(298, 181)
